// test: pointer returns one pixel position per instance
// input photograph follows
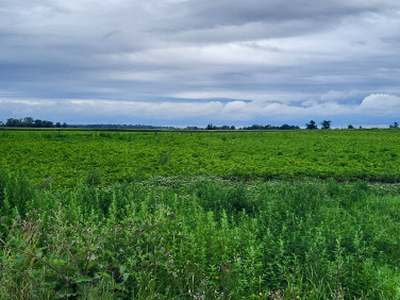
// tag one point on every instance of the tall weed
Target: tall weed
(199, 237)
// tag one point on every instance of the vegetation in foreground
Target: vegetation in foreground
(199, 237)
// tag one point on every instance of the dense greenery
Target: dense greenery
(149, 215)
(61, 156)
(30, 122)
(197, 237)
(272, 127)
(311, 125)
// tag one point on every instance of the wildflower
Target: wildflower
(204, 274)
(216, 277)
(260, 294)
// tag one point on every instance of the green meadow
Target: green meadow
(199, 215)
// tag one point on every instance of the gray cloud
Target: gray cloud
(175, 51)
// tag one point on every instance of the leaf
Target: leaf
(83, 279)
(125, 277)
(57, 262)
(105, 275)
(122, 269)
(65, 292)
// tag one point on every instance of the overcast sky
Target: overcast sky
(192, 62)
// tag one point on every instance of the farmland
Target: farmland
(200, 215)
(65, 156)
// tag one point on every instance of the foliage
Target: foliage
(311, 125)
(199, 237)
(272, 127)
(60, 156)
(30, 122)
(100, 214)
(326, 124)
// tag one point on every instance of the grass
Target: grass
(199, 237)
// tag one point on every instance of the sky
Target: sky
(194, 62)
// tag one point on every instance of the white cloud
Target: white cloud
(381, 105)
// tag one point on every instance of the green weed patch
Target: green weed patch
(199, 237)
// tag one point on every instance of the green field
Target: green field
(65, 156)
(200, 215)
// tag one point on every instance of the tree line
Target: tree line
(272, 127)
(312, 125)
(325, 124)
(30, 122)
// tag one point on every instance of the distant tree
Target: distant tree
(394, 125)
(256, 127)
(272, 127)
(27, 122)
(288, 127)
(58, 125)
(311, 125)
(326, 124)
(233, 127)
(47, 124)
(13, 122)
(64, 125)
(211, 127)
(1, 123)
(37, 123)
(350, 127)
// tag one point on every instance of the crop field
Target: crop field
(200, 215)
(64, 156)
